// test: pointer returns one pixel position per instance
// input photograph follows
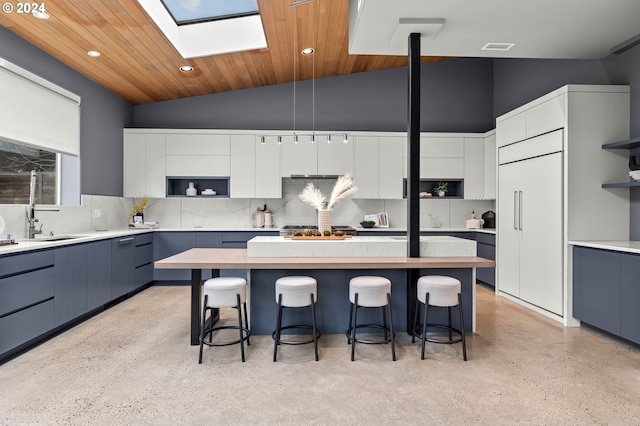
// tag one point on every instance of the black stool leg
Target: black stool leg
(464, 344)
(449, 318)
(415, 321)
(384, 322)
(246, 322)
(204, 314)
(424, 325)
(239, 308)
(313, 319)
(350, 319)
(393, 339)
(353, 327)
(276, 342)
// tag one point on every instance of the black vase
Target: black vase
(489, 218)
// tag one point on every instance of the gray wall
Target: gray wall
(102, 115)
(457, 96)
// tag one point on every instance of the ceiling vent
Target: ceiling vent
(503, 47)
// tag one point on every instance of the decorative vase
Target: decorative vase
(324, 220)
(191, 190)
(441, 194)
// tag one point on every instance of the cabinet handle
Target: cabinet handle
(125, 240)
(520, 210)
(515, 210)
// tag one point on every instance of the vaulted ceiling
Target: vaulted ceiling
(140, 65)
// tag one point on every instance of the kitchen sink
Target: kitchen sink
(55, 238)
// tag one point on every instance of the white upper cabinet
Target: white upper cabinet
(474, 168)
(242, 179)
(268, 180)
(202, 155)
(335, 158)
(531, 120)
(299, 158)
(390, 181)
(366, 166)
(440, 157)
(144, 165)
(490, 165)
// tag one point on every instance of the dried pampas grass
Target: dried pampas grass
(342, 189)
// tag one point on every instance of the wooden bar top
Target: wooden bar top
(217, 258)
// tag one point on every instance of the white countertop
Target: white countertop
(79, 237)
(373, 246)
(626, 246)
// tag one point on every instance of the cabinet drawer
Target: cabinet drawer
(10, 265)
(25, 325)
(198, 165)
(486, 238)
(143, 255)
(487, 251)
(22, 290)
(144, 239)
(143, 275)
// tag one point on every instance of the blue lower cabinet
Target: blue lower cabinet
(98, 274)
(70, 283)
(25, 325)
(596, 288)
(630, 297)
(167, 244)
(122, 266)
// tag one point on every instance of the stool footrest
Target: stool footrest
(296, 342)
(369, 342)
(246, 335)
(418, 333)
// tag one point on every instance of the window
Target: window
(16, 163)
(186, 12)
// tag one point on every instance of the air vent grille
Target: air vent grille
(498, 46)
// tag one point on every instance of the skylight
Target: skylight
(209, 30)
(186, 12)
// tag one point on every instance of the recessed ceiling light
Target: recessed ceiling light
(498, 46)
(308, 51)
(186, 68)
(93, 53)
(41, 15)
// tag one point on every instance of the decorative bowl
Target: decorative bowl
(367, 224)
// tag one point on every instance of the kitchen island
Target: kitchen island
(332, 273)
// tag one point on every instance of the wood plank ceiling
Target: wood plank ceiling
(140, 65)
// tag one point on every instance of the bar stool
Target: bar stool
(370, 292)
(225, 292)
(441, 291)
(296, 292)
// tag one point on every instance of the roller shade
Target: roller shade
(36, 112)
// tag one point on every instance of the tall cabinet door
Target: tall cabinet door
(508, 235)
(541, 232)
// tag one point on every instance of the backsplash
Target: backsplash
(190, 213)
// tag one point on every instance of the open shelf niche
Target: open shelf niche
(177, 186)
(454, 191)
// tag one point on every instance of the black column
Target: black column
(413, 149)
(413, 174)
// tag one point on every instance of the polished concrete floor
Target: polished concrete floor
(133, 365)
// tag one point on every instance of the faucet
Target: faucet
(31, 210)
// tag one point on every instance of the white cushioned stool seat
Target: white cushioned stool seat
(443, 290)
(295, 291)
(222, 291)
(372, 291)
(439, 291)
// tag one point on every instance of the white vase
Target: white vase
(324, 220)
(191, 190)
(441, 194)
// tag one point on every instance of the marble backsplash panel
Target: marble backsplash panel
(111, 213)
